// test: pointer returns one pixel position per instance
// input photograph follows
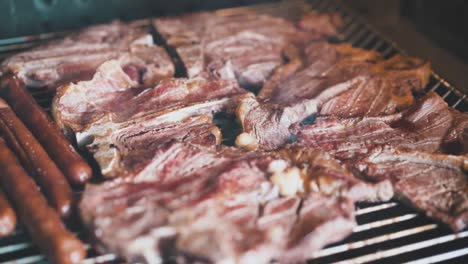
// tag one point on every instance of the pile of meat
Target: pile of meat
(322, 126)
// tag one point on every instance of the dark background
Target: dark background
(26, 17)
(444, 22)
(434, 30)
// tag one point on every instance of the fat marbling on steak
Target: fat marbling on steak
(430, 125)
(243, 47)
(119, 119)
(405, 148)
(320, 172)
(437, 184)
(328, 79)
(211, 205)
(77, 56)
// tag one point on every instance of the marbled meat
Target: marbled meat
(118, 119)
(77, 56)
(211, 205)
(243, 47)
(329, 79)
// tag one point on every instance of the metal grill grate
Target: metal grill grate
(387, 232)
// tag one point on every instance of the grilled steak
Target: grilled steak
(435, 183)
(120, 147)
(424, 127)
(322, 173)
(245, 47)
(121, 122)
(456, 140)
(76, 57)
(335, 80)
(321, 64)
(266, 125)
(386, 88)
(211, 205)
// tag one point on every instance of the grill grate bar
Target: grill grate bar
(407, 248)
(377, 45)
(14, 247)
(373, 240)
(459, 101)
(446, 94)
(90, 260)
(435, 86)
(21, 246)
(350, 28)
(358, 36)
(366, 41)
(19, 240)
(387, 51)
(441, 257)
(328, 251)
(29, 259)
(375, 208)
(100, 259)
(29, 39)
(384, 222)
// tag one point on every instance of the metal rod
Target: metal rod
(407, 248)
(441, 257)
(375, 240)
(375, 208)
(384, 222)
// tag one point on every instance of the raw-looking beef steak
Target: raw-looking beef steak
(435, 183)
(77, 56)
(336, 80)
(214, 206)
(243, 47)
(429, 125)
(119, 120)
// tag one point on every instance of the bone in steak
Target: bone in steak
(424, 127)
(322, 173)
(333, 80)
(77, 56)
(435, 183)
(213, 206)
(121, 122)
(245, 47)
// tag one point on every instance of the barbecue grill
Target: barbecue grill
(389, 232)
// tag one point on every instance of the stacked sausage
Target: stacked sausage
(36, 161)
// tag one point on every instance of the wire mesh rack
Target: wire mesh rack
(389, 232)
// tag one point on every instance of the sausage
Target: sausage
(36, 161)
(41, 221)
(7, 216)
(47, 133)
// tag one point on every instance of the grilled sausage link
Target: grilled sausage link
(60, 150)
(41, 221)
(7, 216)
(35, 159)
